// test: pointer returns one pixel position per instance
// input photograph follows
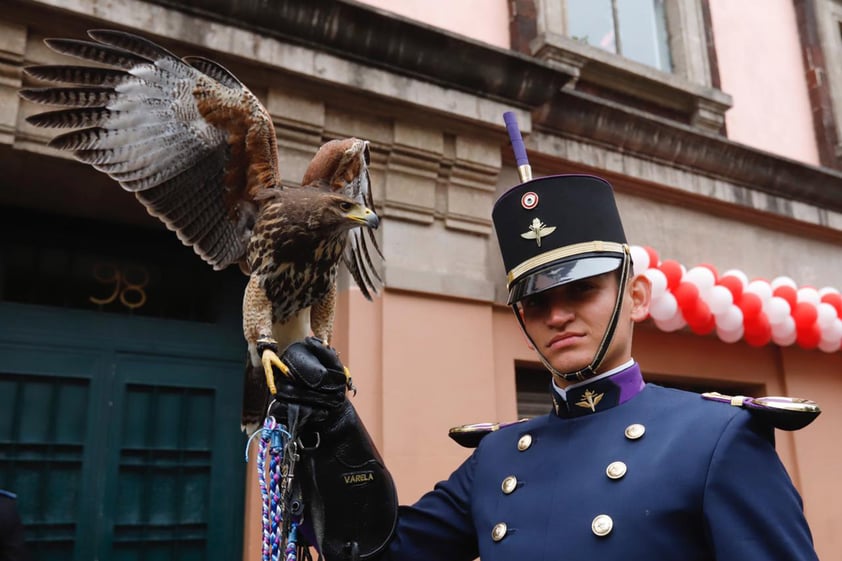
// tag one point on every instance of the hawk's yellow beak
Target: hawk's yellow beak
(364, 215)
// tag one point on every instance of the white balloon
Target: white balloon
(658, 280)
(784, 333)
(674, 323)
(833, 331)
(777, 310)
(730, 319)
(737, 273)
(827, 314)
(830, 346)
(640, 259)
(785, 340)
(730, 336)
(782, 281)
(702, 277)
(761, 288)
(719, 299)
(827, 290)
(808, 294)
(664, 307)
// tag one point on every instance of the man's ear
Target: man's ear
(640, 290)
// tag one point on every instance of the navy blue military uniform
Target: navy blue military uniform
(649, 474)
(12, 546)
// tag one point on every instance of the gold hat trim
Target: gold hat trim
(561, 253)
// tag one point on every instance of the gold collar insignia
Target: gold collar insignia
(590, 400)
(538, 230)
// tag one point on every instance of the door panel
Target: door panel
(124, 447)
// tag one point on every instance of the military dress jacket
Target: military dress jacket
(647, 473)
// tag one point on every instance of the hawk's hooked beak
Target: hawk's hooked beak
(364, 216)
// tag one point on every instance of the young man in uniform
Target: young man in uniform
(619, 469)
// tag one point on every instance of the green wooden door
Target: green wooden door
(121, 434)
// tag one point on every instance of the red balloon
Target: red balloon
(699, 318)
(834, 300)
(672, 270)
(687, 295)
(758, 331)
(805, 315)
(653, 256)
(810, 337)
(787, 293)
(733, 284)
(751, 305)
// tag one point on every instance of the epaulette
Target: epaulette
(470, 435)
(785, 413)
(9, 494)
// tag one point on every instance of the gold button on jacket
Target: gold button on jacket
(498, 532)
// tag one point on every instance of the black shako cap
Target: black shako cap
(557, 229)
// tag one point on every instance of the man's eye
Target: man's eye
(531, 302)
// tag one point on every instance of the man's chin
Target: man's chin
(569, 364)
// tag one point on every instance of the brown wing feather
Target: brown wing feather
(188, 138)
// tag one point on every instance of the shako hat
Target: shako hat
(557, 229)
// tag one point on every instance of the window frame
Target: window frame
(689, 91)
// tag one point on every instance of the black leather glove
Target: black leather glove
(315, 389)
(349, 496)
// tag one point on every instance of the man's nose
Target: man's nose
(558, 312)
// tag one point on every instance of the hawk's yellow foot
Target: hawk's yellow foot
(349, 383)
(269, 358)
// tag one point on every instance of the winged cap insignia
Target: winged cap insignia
(590, 400)
(537, 230)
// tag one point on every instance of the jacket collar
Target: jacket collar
(599, 394)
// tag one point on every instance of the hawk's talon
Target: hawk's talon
(349, 382)
(270, 359)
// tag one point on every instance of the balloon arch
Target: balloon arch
(736, 308)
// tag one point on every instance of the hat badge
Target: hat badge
(529, 200)
(537, 230)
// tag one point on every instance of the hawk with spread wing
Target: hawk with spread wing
(199, 151)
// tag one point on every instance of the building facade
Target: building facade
(717, 122)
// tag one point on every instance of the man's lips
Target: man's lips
(563, 340)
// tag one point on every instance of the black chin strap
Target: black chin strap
(590, 370)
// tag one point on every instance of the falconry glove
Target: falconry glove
(349, 496)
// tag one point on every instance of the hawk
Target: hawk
(199, 151)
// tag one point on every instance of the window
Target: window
(651, 55)
(635, 29)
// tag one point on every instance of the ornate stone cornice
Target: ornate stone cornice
(627, 130)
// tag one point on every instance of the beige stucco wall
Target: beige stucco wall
(760, 66)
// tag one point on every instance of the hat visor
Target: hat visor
(562, 272)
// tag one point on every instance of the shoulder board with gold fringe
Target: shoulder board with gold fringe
(785, 413)
(470, 435)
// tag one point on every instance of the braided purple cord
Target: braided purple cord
(292, 544)
(275, 502)
(265, 437)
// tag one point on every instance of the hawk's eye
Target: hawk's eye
(346, 206)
